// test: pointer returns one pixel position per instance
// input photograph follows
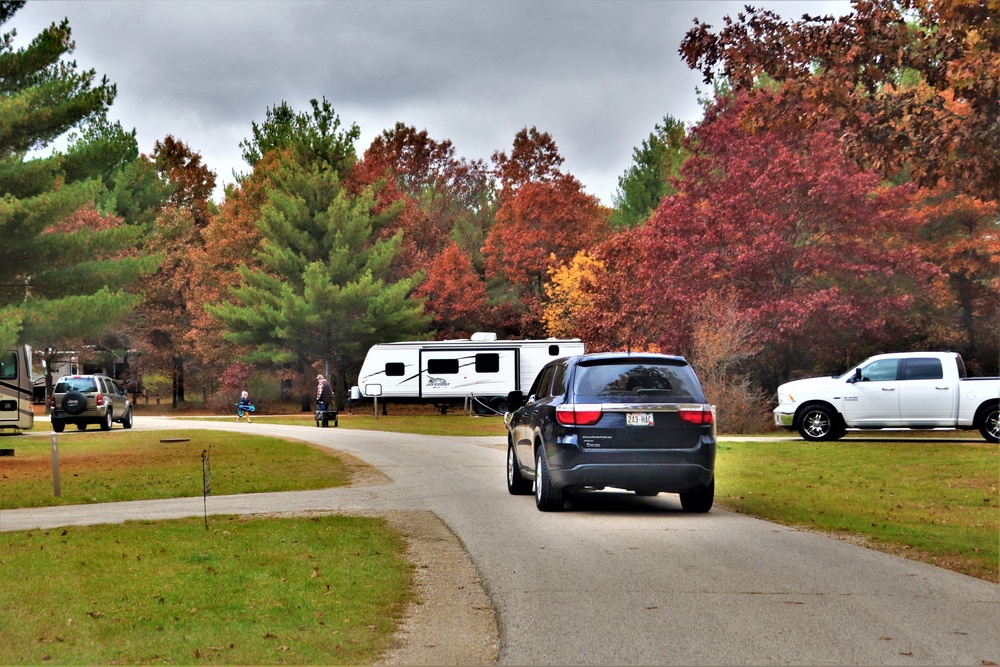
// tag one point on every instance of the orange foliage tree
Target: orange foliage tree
(544, 219)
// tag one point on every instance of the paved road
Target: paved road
(633, 581)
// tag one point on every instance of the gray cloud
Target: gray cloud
(596, 75)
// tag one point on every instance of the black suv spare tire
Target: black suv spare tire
(74, 403)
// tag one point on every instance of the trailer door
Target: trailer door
(460, 373)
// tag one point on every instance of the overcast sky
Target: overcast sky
(596, 75)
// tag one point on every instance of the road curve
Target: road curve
(623, 580)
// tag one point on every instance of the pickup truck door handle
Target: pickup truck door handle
(942, 388)
(888, 389)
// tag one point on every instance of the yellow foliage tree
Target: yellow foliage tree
(568, 294)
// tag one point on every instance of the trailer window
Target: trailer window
(442, 366)
(487, 363)
(553, 350)
(8, 366)
(395, 368)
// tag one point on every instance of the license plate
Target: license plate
(639, 418)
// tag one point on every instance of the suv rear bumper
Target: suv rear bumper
(669, 470)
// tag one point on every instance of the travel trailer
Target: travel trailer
(481, 370)
(15, 389)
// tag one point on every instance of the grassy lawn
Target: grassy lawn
(136, 465)
(330, 589)
(932, 501)
(421, 424)
(316, 590)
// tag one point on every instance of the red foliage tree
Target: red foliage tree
(818, 253)
(455, 294)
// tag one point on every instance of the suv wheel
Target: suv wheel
(127, 419)
(81, 426)
(74, 403)
(547, 497)
(58, 425)
(106, 422)
(516, 485)
(700, 499)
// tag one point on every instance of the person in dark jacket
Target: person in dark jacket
(324, 394)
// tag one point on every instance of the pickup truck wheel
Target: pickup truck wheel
(516, 485)
(818, 423)
(547, 497)
(989, 423)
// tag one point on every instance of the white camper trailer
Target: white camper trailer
(450, 372)
(15, 388)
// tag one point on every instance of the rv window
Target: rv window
(487, 363)
(395, 368)
(8, 366)
(442, 366)
(553, 350)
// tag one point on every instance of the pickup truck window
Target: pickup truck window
(883, 370)
(923, 369)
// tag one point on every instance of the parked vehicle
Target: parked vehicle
(915, 390)
(446, 373)
(89, 399)
(634, 421)
(15, 389)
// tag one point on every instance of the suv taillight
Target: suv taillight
(578, 415)
(52, 401)
(701, 415)
(100, 399)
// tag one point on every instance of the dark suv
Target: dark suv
(89, 399)
(635, 421)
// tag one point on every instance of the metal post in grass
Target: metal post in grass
(206, 477)
(56, 487)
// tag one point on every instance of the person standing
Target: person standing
(324, 394)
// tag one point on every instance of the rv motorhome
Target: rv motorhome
(451, 372)
(15, 388)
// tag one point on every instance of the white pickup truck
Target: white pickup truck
(918, 390)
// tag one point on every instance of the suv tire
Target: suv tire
(58, 425)
(74, 403)
(127, 419)
(107, 420)
(516, 484)
(699, 500)
(547, 497)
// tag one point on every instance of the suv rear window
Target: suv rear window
(650, 381)
(84, 385)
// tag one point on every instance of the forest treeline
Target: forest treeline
(838, 198)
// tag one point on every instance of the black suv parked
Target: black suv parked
(89, 399)
(635, 421)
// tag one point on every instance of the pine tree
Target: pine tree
(58, 281)
(319, 295)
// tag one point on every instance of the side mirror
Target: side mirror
(515, 400)
(856, 377)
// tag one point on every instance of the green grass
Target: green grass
(136, 465)
(420, 424)
(306, 590)
(933, 501)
